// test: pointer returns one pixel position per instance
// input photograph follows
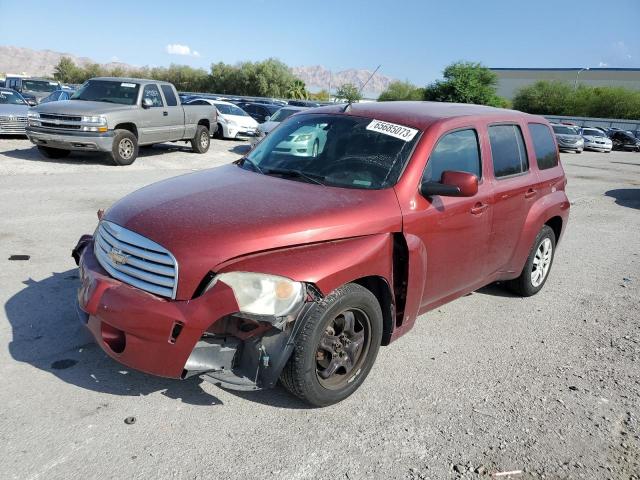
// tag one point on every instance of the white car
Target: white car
(233, 122)
(595, 139)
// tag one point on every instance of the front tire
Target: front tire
(50, 152)
(201, 141)
(536, 270)
(336, 347)
(125, 148)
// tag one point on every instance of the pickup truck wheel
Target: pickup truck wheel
(50, 152)
(200, 142)
(335, 347)
(125, 148)
(536, 270)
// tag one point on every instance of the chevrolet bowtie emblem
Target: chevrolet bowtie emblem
(118, 256)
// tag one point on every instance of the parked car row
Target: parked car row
(572, 138)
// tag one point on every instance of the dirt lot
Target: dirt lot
(549, 385)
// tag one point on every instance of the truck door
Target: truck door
(175, 115)
(454, 230)
(154, 124)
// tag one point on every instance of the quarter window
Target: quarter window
(544, 146)
(456, 151)
(507, 150)
(169, 96)
(152, 93)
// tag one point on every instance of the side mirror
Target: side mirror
(452, 184)
(147, 103)
(32, 102)
(267, 118)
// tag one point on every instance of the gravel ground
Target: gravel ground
(489, 383)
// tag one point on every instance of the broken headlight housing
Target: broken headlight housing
(263, 294)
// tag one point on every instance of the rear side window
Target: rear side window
(456, 151)
(169, 96)
(544, 146)
(507, 150)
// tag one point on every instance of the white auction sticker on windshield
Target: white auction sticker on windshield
(392, 129)
(128, 85)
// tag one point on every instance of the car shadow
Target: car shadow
(48, 335)
(241, 149)
(626, 197)
(496, 289)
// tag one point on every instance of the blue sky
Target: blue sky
(412, 40)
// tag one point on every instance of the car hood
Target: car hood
(17, 110)
(212, 216)
(570, 138)
(242, 120)
(81, 107)
(266, 127)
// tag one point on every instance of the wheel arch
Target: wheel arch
(130, 126)
(205, 122)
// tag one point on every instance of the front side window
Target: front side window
(169, 96)
(457, 151)
(335, 150)
(110, 91)
(507, 150)
(544, 146)
(152, 93)
(283, 113)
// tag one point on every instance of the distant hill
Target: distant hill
(19, 60)
(317, 78)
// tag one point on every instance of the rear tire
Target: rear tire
(201, 141)
(336, 347)
(536, 271)
(50, 152)
(125, 148)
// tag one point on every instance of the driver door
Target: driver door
(454, 230)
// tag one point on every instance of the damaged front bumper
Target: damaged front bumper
(204, 336)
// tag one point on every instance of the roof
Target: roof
(418, 114)
(141, 81)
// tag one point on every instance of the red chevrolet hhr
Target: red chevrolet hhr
(324, 242)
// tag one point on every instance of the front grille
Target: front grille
(136, 260)
(55, 116)
(54, 125)
(12, 125)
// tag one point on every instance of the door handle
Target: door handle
(478, 208)
(530, 193)
(165, 113)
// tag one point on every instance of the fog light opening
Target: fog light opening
(175, 331)
(115, 339)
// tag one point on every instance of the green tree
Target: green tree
(545, 97)
(348, 92)
(321, 96)
(401, 91)
(68, 72)
(465, 82)
(298, 90)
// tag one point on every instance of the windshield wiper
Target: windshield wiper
(310, 177)
(253, 164)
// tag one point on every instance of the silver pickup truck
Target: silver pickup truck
(116, 116)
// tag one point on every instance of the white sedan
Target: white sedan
(595, 139)
(233, 122)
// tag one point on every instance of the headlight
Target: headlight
(262, 294)
(33, 115)
(302, 138)
(95, 119)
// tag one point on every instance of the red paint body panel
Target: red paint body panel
(230, 219)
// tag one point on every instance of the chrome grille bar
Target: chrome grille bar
(135, 259)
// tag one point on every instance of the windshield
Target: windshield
(592, 132)
(562, 130)
(40, 85)
(230, 110)
(283, 113)
(110, 91)
(335, 150)
(10, 98)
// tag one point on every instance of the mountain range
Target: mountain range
(20, 60)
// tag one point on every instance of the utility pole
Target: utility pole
(575, 83)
